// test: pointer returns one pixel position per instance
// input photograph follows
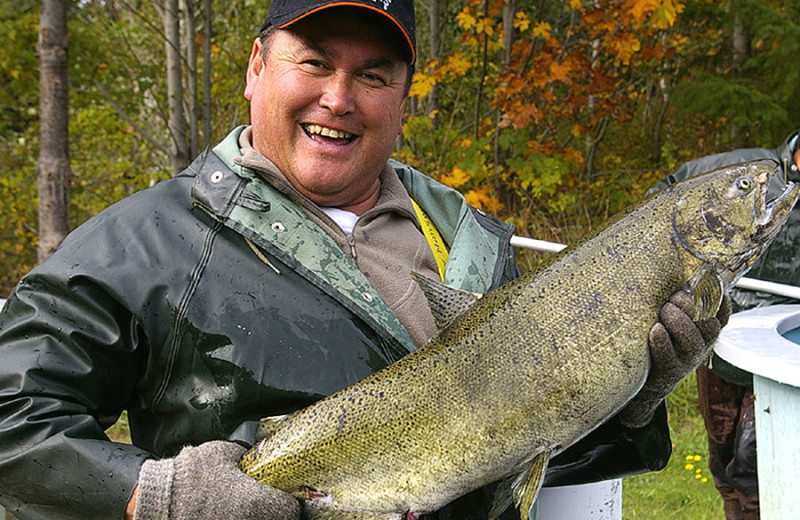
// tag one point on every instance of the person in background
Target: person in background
(725, 392)
(275, 270)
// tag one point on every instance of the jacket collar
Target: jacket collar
(266, 213)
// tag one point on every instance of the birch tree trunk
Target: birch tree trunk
(741, 52)
(179, 155)
(435, 53)
(509, 11)
(193, 102)
(53, 170)
(206, 73)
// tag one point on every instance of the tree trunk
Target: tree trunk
(591, 138)
(482, 80)
(435, 53)
(741, 52)
(177, 119)
(191, 76)
(509, 12)
(206, 73)
(53, 171)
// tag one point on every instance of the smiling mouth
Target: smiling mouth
(317, 131)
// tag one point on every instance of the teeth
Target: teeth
(327, 132)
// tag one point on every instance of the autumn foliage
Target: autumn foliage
(542, 106)
(552, 115)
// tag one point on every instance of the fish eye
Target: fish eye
(744, 183)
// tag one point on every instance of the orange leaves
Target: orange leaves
(455, 178)
(480, 24)
(454, 67)
(641, 9)
(624, 46)
(479, 195)
(483, 197)
(465, 20)
(559, 71)
(521, 21)
(534, 109)
(664, 16)
(423, 84)
(560, 65)
(526, 114)
(662, 13)
(542, 30)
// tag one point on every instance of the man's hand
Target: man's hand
(205, 482)
(677, 346)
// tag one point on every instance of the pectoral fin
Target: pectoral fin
(707, 291)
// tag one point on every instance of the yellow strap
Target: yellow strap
(433, 237)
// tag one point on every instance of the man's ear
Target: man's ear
(254, 68)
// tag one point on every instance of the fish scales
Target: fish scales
(528, 369)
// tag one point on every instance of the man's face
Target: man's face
(326, 106)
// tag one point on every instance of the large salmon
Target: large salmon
(520, 374)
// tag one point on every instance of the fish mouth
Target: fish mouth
(777, 211)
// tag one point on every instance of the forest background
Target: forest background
(552, 115)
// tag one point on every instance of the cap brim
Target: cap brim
(405, 34)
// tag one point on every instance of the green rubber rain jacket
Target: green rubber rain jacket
(201, 305)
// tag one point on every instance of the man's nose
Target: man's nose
(338, 95)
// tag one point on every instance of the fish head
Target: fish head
(726, 218)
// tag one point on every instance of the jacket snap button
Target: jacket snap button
(278, 227)
(217, 176)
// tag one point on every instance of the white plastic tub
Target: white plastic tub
(597, 501)
(764, 342)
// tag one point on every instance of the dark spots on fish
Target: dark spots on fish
(354, 401)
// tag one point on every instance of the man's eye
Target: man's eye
(373, 78)
(314, 64)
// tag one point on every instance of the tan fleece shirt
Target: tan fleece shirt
(387, 242)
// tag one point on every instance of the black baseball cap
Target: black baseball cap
(283, 13)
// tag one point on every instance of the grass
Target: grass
(675, 492)
(120, 432)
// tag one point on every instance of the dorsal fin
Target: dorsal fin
(446, 303)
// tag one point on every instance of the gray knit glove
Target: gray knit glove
(677, 346)
(204, 482)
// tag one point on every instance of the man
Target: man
(271, 273)
(725, 393)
